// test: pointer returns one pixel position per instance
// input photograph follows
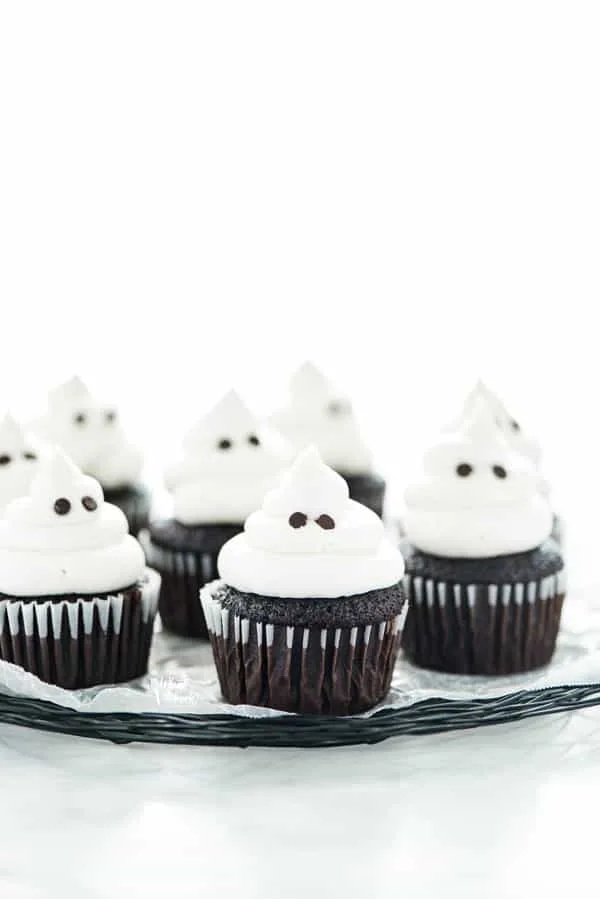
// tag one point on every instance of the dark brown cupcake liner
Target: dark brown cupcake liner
(183, 574)
(77, 642)
(135, 503)
(482, 628)
(325, 671)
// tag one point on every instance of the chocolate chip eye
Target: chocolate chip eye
(297, 520)
(31, 457)
(515, 425)
(253, 440)
(499, 471)
(89, 503)
(4, 459)
(110, 417)
(79, 418)
(62, 506)
(326, 522)
(224, 444)
(464, 470)
(338, 407)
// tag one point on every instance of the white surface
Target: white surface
(498, 813)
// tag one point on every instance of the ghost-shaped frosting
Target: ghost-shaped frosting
(309, 539)
(19, 460)
(90, 432)
(510, 428)
(229, 461)
(62, 538)
(477, 497)
(318, 414)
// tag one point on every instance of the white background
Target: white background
(198, 195)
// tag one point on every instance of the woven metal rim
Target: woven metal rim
(426, 717)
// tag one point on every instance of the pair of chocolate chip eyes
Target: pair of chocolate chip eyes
(338, 408)
(226, 444)
(5, 459)
(62, 506)
(464, 470)
(80, 418)
(299, 520)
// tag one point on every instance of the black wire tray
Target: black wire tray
(425, 717)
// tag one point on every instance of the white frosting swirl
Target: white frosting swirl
(63, 538)
(19, 460)
(230, 460)
(511, 429)
(90, 433)
(478, 497)
(318, 414)
(310, 540)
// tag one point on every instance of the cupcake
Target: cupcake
(519, 440)
(19, 460)
(485, 583)
(90, 433)
(229, 462)
(77, 603)
(318, 414)
(307, 616)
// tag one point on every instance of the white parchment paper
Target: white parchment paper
(182, 677)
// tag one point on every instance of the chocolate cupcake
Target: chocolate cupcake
(77, 604)
(91, 434)
(308, 614)
(485, 583)
(19, 460)
(318, 414)
(229, 462)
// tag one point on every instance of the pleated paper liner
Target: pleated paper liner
(77, 642)
(183, 575)
(482, 628)
(311, 670)
(179, 702)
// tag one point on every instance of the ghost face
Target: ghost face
(17, 468)
(236, 452)
(86, 430)
(71, 503)
(462, 475)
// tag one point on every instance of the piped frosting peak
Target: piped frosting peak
(91, 433)
(477, 497)
(310, 540)
(230, 460)
(63, 538)
(509, 426)
(317, 413)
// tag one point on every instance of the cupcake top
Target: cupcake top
(318, 414)
(509, 426)
(91, 434)
(310, 540)
(19, 460)
(62, 538)
(477, 497)
(229, 462)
